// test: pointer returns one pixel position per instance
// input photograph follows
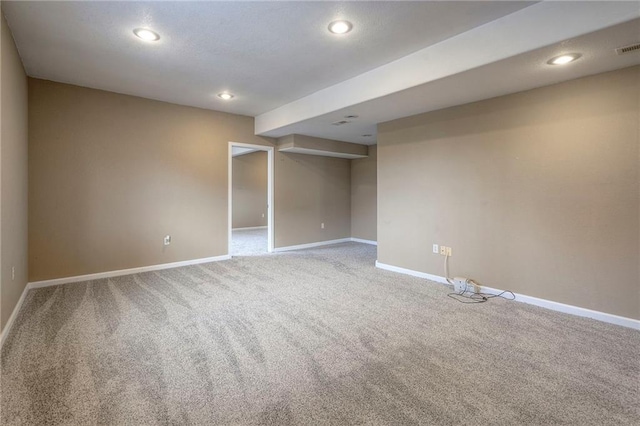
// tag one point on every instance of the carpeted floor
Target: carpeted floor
(249, 242)
(309, 337)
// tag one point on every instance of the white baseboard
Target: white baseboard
(523, 298)
(360, 240)
(109, 274)
(326, 243)
(249, 228)
(96, 276)
(411, 272)
(311, 245)
(14, 315)
(80, 278)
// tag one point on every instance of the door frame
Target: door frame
(270, 180)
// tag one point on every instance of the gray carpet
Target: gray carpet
(249, 242)
(310, 337)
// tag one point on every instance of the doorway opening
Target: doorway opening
(250, 218)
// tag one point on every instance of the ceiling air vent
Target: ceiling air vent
(628, 49)
(340, 123)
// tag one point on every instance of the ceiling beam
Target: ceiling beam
(531, 28)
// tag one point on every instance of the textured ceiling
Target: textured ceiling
(515, 74)
(285, 68)
(266, 53)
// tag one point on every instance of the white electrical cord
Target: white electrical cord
(476, 296)
(446, 269)
(467, 280)
(446, 276)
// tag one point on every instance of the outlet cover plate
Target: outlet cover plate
(460, 284)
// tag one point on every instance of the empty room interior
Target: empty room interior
(320, 212)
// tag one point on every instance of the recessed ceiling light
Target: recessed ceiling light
(146, 34)
(564, 59)
(225, 95)
(340, 27)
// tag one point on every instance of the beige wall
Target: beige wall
(110, 175)
(364, 196)
(311, 190)
(13, 175)
(537, 192)
(249, 185)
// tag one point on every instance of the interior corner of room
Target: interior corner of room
(13, 176)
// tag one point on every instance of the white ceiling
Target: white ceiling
(237, 150)
(266, 53)
(505, 56)
(284, 67)
(515, 74)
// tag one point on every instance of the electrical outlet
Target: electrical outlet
(448, 251)
(460, 284)
(443, 250)
(322, 225)
(435, 249)
(13, 273)
(167, 240)
(262, 214)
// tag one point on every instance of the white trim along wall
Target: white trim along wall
(548, 304)
(249, 228)
(97, 276)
